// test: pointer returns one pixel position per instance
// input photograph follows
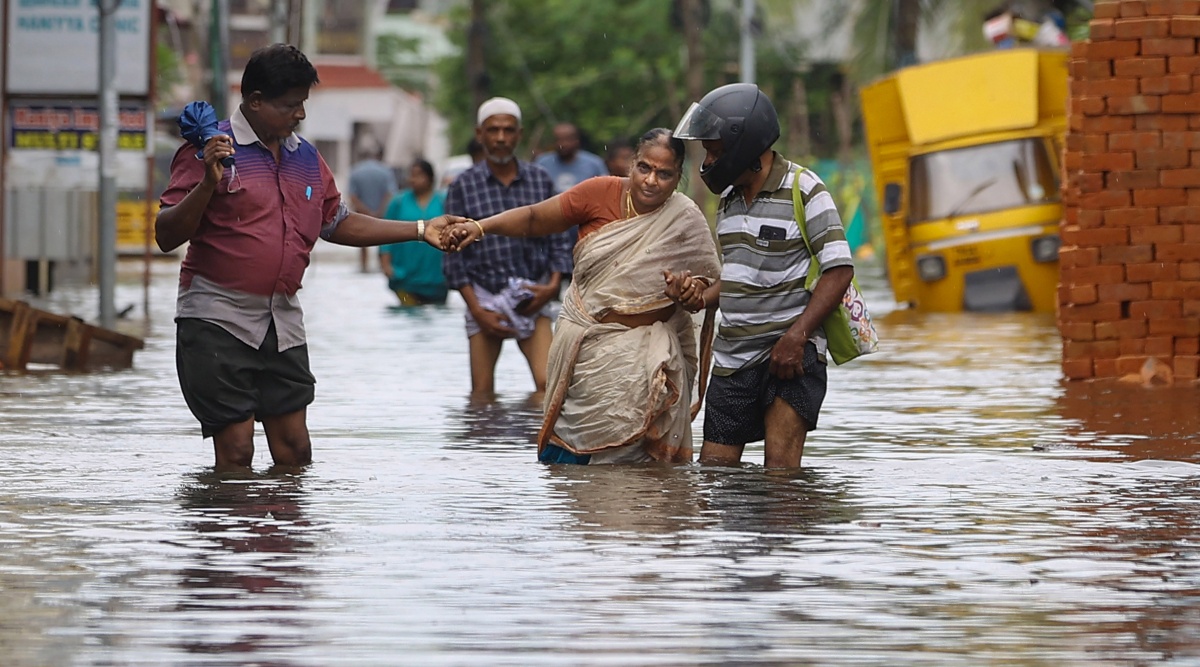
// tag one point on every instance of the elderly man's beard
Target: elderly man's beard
(501, 159)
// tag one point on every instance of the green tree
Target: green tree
(618, 68)
(886, 31)
(168, 69)
(614, 68)
(393, 49)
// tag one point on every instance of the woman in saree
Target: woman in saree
(626, 370)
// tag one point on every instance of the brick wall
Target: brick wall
(1129, 296)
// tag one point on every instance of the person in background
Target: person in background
(475, 150)
(372, 184)
(769, 374)
(625, 365)
(568, 163)
(241, 351)
(618, 157)
(507, 283)
(413, 269)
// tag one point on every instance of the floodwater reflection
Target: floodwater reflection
(1144, 523)
(1140, 422)
(959, 505)
(491, 427)
(775, 504)
(248, 553)
(619, 502)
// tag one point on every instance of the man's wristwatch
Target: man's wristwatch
(420, 230)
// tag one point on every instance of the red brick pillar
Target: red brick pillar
(1129, 296)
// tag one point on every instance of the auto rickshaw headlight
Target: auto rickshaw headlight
(931, 267)
(1045, 248)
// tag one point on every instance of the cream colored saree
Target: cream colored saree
(622, 394)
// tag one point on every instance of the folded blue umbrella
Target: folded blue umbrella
(198, 124)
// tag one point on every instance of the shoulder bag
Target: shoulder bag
(848, 328)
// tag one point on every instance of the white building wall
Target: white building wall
(409, 128)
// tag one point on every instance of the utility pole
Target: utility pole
(3, 157)
(218, 56)
(279, 21)
(746, 60)
(106, 253)
(148, 201)
(906, 15)
(692, 15)
(799, 142)
(477, 76)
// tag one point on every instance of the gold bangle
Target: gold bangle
(481, 232)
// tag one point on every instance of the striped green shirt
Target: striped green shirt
(766, 261)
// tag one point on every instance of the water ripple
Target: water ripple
(960, 505)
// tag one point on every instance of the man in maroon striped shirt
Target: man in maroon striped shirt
(241, 352)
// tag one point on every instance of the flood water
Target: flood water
(959, 505)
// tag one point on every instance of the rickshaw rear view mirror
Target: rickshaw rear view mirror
(891, 198)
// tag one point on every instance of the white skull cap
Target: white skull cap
(497, 106)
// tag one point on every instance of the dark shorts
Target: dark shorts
(736, 405)
(225, 381)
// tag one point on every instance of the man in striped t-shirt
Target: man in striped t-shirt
(769, 355)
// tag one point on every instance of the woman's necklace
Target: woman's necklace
(630, 211)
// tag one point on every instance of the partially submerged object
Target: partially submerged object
(965, 153)
(29, 335)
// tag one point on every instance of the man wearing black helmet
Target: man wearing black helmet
(769, 355)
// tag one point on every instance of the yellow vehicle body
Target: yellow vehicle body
(966, 160)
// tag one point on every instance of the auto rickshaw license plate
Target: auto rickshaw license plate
(966, 255)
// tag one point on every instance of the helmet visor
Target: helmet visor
(699, 123)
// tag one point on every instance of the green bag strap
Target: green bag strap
(799, 202)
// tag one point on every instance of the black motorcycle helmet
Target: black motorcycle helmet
(743, 118)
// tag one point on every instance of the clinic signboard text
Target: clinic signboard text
(52, 47)
(72, 127)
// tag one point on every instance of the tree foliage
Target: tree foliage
(613, 68)
(616, 68)
(168, 71)
(885, 31)
(394, 49)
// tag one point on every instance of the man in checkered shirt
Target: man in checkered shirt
(507, 283)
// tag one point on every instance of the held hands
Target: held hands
(216, 149)
(685, 290)
(436, 228)
(461, 234)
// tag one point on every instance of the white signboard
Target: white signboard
(53, 46)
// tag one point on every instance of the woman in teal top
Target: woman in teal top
(414, 269)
